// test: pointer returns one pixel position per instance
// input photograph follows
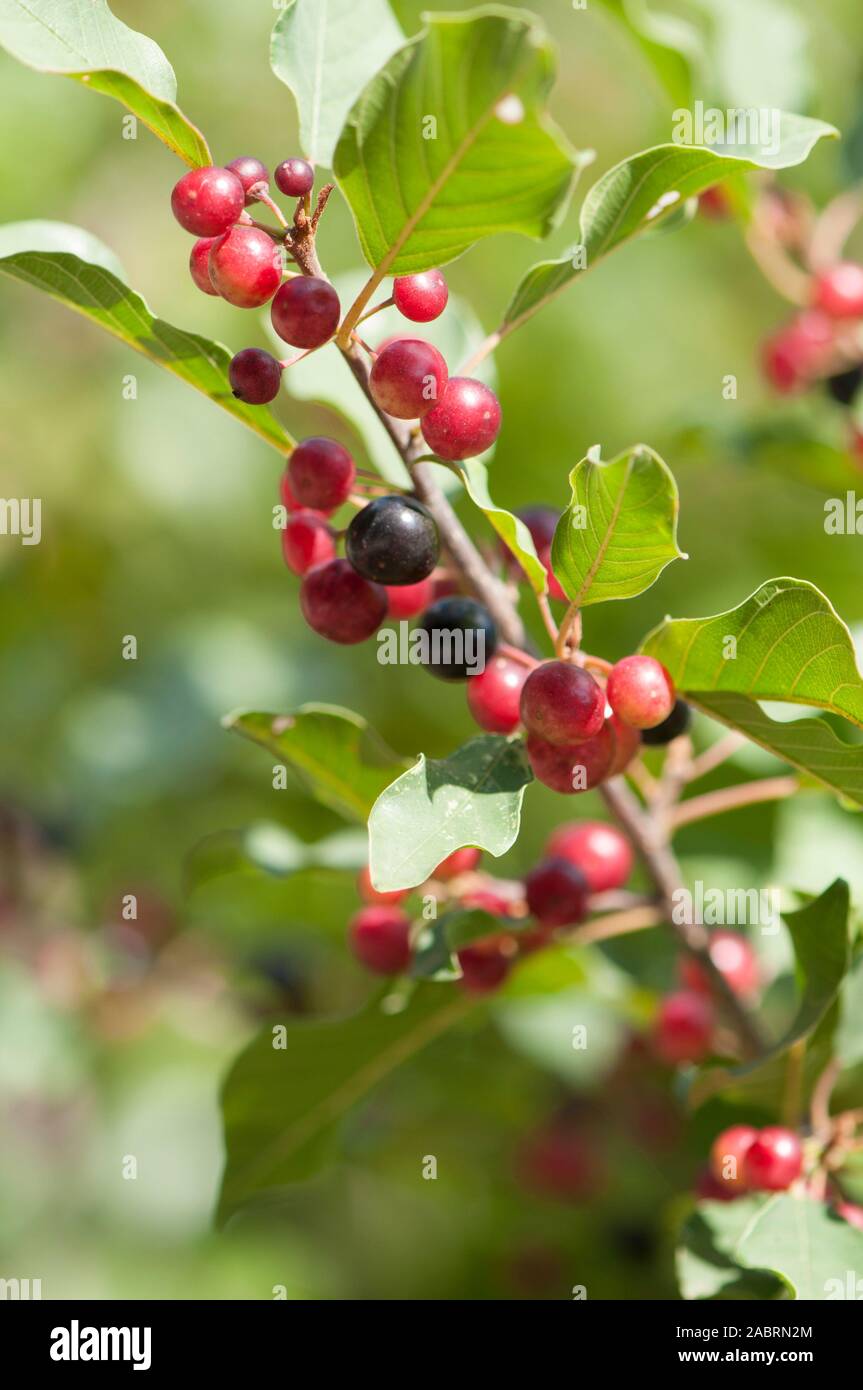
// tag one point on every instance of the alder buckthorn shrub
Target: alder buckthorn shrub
(733, 957)
(340, 605)
(461, 861)
(683, 1030)
(370, 894)
(294, 177)
(838, 290)
(408, 378)
(251, 173)
(407, 600)
(727, 1157)
(245, 267)
(307, 541)
(422, 297)
(199, 264)
(255, 376)
(598, 849)
(465, 422)
(305, 311)
(393, 540)
(321, 474)
(774, 1160)
(562, 703)
(380, 939)
(206, 202)
(462, 638)
(486, 963)
(494, 696)
(557, 893)
(640, 691)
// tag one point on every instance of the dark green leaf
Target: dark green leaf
(273, 849)
(441, 938)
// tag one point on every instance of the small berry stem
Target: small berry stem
(777, 267)
(485, 349)
(370, 313)
(547, 617)
(516, 654)
(715, 756)
(274, 209)
(730, 798)
(568, 638)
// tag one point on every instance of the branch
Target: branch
(729, 798)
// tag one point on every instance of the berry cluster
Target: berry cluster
(685, 1027)
(743, 1159)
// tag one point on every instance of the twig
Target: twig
(833, 228)
(729, 798)
(715, 755)
(615, 924)
(370, 313)
(547, 617)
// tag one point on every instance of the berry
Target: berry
(684, 1028)
(713, 203)
(733, 956)
(574, 768)
(286, 494)
(408, 378)
(839, 291)
(307, 541)
(599, 850)
(640, 691)
(370, 894)
(380, 939)
(462, 638)
(295, 178)
(562, 703)
(245, 267)
(255, 376)
(406, 600)
(206, 202)
(199, 264)
(249, 171)
(773, 1160)
(626, 743)
(486, 964)
(321, 473)
(493, 697)
(541, 522)
(676, 724)
(851, 1213)
(796, 353)
(727, 1154)
(339, 604)
(305, 311)
(421, 298)
(488, 900)
(393, 540)
(843, 386)
(557, 893)
(461, 861)
(559, 1163)
(707, 1189)
(465, 421)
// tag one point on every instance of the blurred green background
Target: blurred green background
(157, 522)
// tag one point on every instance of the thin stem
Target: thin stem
(485, 349)
(516, 654)
(615, 924)
(778, 268)
(715, 755)
(569, 635)
(370, 313)
(730, 798)
(833, 228)
(819, 1110)
(547, 617)
(267, 201)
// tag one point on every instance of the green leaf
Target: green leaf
(71, 265)
(281, 1105)
(703, 1271)
(87, 42)
(326, 51)
(849, 1034)
(640, 191)
(473, 797)
(338, 756)
(464, 166)
(620, 530)
(269, 848)
(441, 938)
(511, 529)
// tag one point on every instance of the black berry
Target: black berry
(393, 540)
(843, 387)
(462, 637)
(676, 724)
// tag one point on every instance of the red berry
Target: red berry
(851, 1213)
(773, 1160)
(406, 600)
(321, 473)
(714, 203)
(255, 376)
(307, 541)
(461, 861)
(380, 939)
(558, 1162)
(199, 264)
(206, 202)
(371, 895)
(727, 1154)
(286, 494)
(421, 298)
(838, 291)
(305, 311)
(488, 900)
(599, 850)
(486, 964)
(733, 956)
(294, 177)
(796, 353)
(574, 768)
(340, 605)
(493, 697)
(640, 691)
(684, 1028)
(249, 171)
(408, 378)
(465, 422)
(626, 743)
(562, 703)
(707, 1189)
(245, 267)
(557, 893)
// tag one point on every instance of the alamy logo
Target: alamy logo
(721, 907)
(461, 648)
(19, 1290)
(739, 125)
(21, 516)
(76, 1343)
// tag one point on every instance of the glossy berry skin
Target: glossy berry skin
(557, 893)
(295, 178)
(393, 540)
(640, 691)
(245, 267)
(707, 1189)
(370, 895)
(307, 541)
(421, 298)
(773, 1161)
(486, 964)
(462, 638)
(406, 600)
(562, 703)
(408, 377)
(626, 744)
(676, 724)
(340, 605)
(465, 422)
(488, 900)
(380, 939)
(838, 291)
(727, 1154)
(733, 957)
(286, 494)
(249, 171)
(461, 861)
(321, 473)
(199, 264)
(494, 696)
(255, 376)
(575, 768)
(795, 354)
(206, 202)
(305, 311)
(684, 1028)
(599, 850)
